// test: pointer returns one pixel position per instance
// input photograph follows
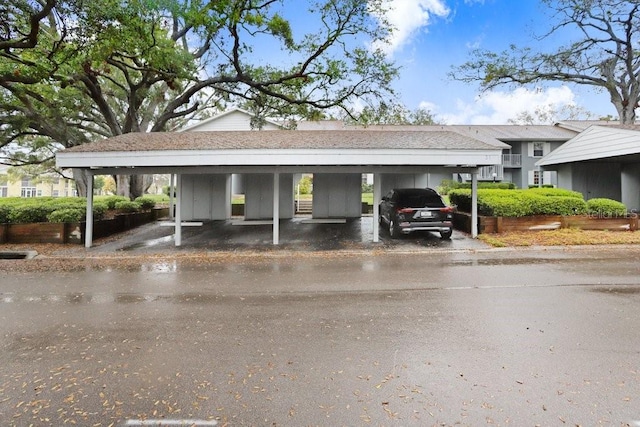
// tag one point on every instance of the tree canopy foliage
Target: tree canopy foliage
(74, 71)
(392, 114)
(603, 53)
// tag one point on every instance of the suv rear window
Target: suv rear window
(419, 199)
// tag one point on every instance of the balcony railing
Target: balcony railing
(512, 160)
(491, 173)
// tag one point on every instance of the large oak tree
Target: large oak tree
(74, 71)
(604, 53)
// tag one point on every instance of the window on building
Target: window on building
(4, 191)
(28, 192)
(56, 193)
(538, 149)
(537, 177)
(26, 181)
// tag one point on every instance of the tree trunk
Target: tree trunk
(139, 185)
(627, 114)
(123, 185)
(81, 177)
(132, 186)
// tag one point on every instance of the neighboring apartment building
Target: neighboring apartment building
(529, 143)
(523, 146)
(45, 186)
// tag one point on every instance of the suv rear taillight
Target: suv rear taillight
(448, 209)
(405, 210)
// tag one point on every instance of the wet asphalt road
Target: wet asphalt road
(458, 338)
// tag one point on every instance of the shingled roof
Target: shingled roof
(283, 140)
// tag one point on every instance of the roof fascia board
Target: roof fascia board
(195, 170)
(178, 158)
(588, 145)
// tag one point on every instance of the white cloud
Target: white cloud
(498, 107)
(408, 17)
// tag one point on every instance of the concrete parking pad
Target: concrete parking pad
(300, 233)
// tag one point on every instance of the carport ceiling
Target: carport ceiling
(283, 148)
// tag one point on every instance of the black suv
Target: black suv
(405, 210)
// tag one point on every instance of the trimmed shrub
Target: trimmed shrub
(606, 207)
(5, 212)
(555, 192)
(461, 198)
(18, 210)
(503, 203)
(99, 210)
(558, 205)
(518, 203)
(127, 206)
(111, 201)
(67, 215)
(146, 203)
(448, 185)
(27, 214)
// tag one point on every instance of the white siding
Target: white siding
(205, 197)
(258, 202)
(231, 121)
(337, 195)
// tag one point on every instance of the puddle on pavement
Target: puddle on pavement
(118, 298)
(149, 243)
(500, 262)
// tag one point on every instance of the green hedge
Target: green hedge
(146, 203)
(67, 215)
(449, 184)
(18, 210)
(127, 206)
(606, 207)
(111, 200)
(4, 214)
(518, 203)
(26, 214)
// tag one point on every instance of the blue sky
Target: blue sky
(433, 35)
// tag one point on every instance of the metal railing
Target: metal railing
(512, 160)
(491, 173)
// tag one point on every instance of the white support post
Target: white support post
(228, 212)
(88, 233)
(377, 188)
(178, 216)
(474, 204)
(172, 189)
(276, 208)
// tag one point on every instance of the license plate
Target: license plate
(426, 214)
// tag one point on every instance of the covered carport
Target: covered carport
(204, 161)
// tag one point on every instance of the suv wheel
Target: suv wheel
(393, 230)
(446, 235)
